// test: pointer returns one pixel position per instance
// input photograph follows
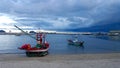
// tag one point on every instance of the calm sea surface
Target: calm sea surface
(59, 44)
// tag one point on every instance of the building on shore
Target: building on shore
(114, 33)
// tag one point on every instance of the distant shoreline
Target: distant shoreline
(64, 33)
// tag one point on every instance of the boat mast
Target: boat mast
(24, 32)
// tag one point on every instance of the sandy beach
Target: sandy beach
(107, 60)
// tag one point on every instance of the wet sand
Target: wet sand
(106, 60)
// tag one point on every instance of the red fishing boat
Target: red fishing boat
(40, 49)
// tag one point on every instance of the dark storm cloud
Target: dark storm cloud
(62, 14)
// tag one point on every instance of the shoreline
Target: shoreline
(14, 57)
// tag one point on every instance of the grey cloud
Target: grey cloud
(64, 14)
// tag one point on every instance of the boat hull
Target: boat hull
(36, 54)
(35, 51)
(76, 43)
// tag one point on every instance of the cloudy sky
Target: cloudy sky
(58, 14)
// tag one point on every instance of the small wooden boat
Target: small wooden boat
(75, 43)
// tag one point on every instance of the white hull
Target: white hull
(42, 50)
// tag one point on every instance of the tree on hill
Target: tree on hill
(2, 31)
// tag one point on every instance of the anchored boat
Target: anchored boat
(75, 42)
(40, 49)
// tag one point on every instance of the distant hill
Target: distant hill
(100, 28)
(2, 31)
